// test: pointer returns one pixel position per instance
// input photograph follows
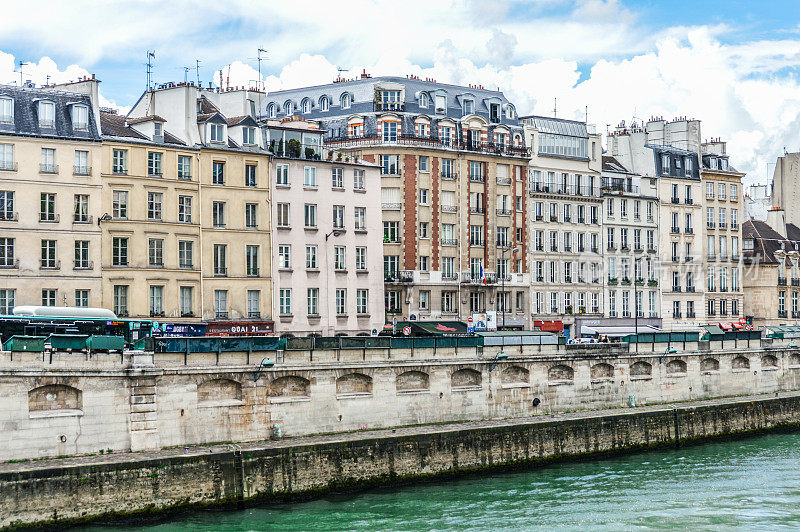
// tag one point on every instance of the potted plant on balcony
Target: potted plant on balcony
(640, 281)
(626, 281)
(569, 309)
(293, 148)
(347, 159)
(581, 310)
(612, 280)
(652, 282)
(280, 147)
(330, 155)
(339, 156)
(310, 153)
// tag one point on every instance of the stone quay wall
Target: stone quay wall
(74, 490)
(59, 404)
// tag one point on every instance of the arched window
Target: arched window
(306, 106)
(324, 103)
(423, 99)
(288, 108)
(510, 112)
(346, 101)
(272, 110)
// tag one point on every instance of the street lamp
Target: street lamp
(334, 233)
(503, 280)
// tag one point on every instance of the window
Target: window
(339, 258)
(448, 267)
(251, 215)
(49, 254)
(391, 264)
(49, 297)
(468, 107)
(249, 175)
(185, 209)
(80, 117)
(48, 164)
(389, 131)
(449, 302)
(312, 301)
(734, 193)
(158, 129)
(272, 110)
(155, 252)
(358, 179)
(688, 193)
(389, 165)
(119, 251)
(156, 300)
(47, 114)
(220, 260)
(6, 156)
(345, 101)
(338, 216)
(253, 303)
(360, 218)
(81, 166)
(424, 299)
(251, 261)
(7, 252)
(324, 103)
(709, 190)
(218, 173)
(218, 213)
(423, 196)
(249, 135)
(184, 167)
(6, 117)
(221, 303)
(664, 163)
(362, 300)
(336, 178)
(311, 257)
(310, 214)
(81, 212)
(154, 164)
(119, 164)
(185, 253)
(282, 174)
(284, 256)
(341, 301)
(121, 300)
(7, 299)
(361, 258)
(217, 133)
(154, 204)
(309, 176)
(424, 163)
(721, 191)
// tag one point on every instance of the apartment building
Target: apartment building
(327, 238)
(669, 154)
(785, 190)
(232, 179)
(630, 232)
(452, 162)
(722, 204)
(50, 161)
(565, 252)
(771, 273)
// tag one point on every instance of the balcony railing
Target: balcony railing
(675, 230)
(50, 264)
(503, 180)
(9, 216)
(449, 241)
(9, 263)
(689, 231)
(49, 217)
(47, 168)
(82, 218)
(675, 200)
(781, 281)
(8, 166)
(503, 212)
(477, 178)
(389, 106)
(81, 170)
(710, 225)
(781, 313)
(476, 210)
(449, 176)
(619, 187)
(391, 206)
(569, 190)
(449, 208)
(723, 225)
(220, 272)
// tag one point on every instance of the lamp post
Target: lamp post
(503, 280)
(334, 233)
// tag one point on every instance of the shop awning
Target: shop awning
(437, 328)
(617, 331)
(726, 326)
(713, 329)
(549, 326)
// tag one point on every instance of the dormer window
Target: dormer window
(249, 135)
(423, 99)
(47, 114)
(723, 164)
(664, 163)
(390, 100)
(494, 112)
(510, 113)
(469, 107)
(272, 110)
(306, 106)
(158, 129)
(6, 111)
(689, 166)
(80, 117)
(346, 101)
(217, 133)
(749, 244)
(441, 105)
(324, 103)
(288, 108)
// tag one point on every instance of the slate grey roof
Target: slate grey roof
(362, 92)
(26, 120)
(611, 164)
(117, 127)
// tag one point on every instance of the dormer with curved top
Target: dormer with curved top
(324, 103)
(346, 100)
(306, 105)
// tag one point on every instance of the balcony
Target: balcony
(581, 220)
(689, 231)
(711, 289)
(503, 180)
(651, 249)
(676, 289)
(712, 256)
(567, 219)
(781, 281)
(723, 288)
(675, 201)
(81, 170)
(795, 281)
(8, 166)
(539, 217)
(637, 249)
(594, 221)
(676, 314)
(734, 226)
(389, 106)
(689, 201)
(735, 257)
(675, 258)
(47, 168)
(795, 314)
(449, 241)
(612, 281)
(710, 225)
(449, 176)
(675, 230)
(611, 247)
(476, 178)
(449, 208)
(652, 282)
(449, 276)
(723, 225)
(553, 218)
(781, 313)
(503, 212)
(405, 276)
(477, 210)
(391, 239)
(688, 258)
(252, 272)
(594, 249)
(566, 190)
(391, 206)
(616, 186)
(690, 289)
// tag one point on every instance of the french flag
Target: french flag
(483, 278)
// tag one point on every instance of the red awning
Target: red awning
(737, 326)
(549, 326)
(726, 326)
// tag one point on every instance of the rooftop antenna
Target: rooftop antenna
(151, 54)
(197, 70)
(186, 74)
(20, 74)
(555, 106)
(586, 114)
(260, 51)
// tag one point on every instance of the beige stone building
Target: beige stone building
(50, 199)
(231, 175)
(722, 212)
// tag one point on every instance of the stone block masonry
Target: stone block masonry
(74, 490)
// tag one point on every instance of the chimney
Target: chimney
(777, 220)
(89, 86)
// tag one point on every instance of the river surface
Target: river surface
(751, 484)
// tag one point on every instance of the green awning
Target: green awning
(713, 329)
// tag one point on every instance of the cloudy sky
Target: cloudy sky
(733, 64)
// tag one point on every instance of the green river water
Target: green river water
(751, 484)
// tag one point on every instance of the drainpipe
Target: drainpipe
(200, 239)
